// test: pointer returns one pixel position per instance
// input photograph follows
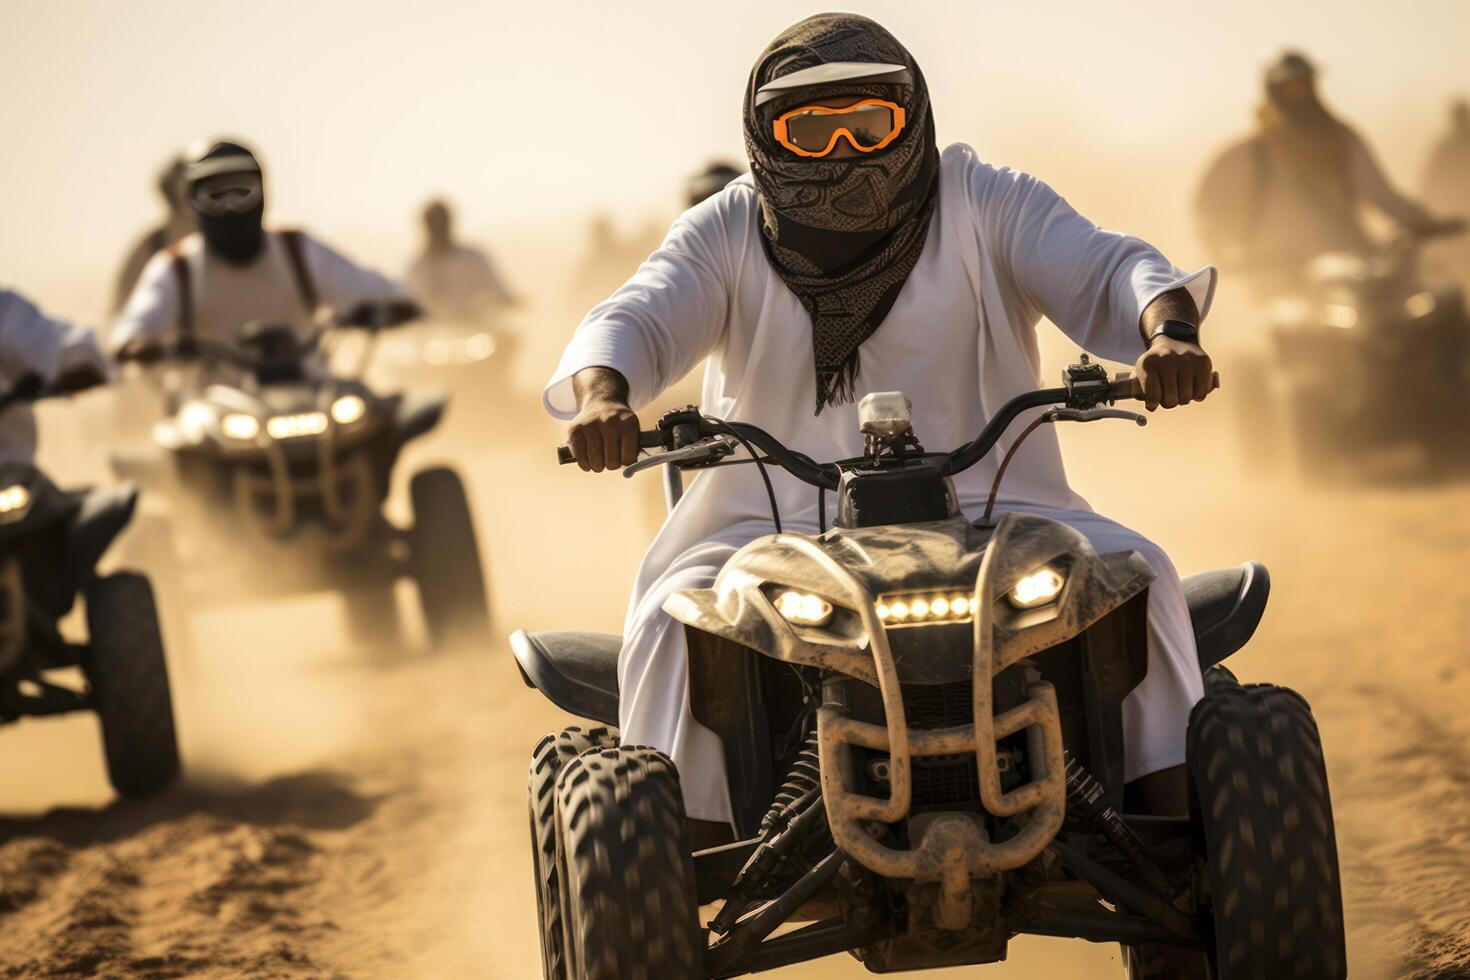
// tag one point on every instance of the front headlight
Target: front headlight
(238, 425)
(924, 608)
(803, 608)
(1340, 315)
(1037, 589)
(348, 409)
(14, 499)
(297, 426)
(1420, 305)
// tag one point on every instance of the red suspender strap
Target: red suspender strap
(185, 288)
(295, 243)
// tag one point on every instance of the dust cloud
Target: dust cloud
(362, 813)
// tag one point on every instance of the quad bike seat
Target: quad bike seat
(1225, 607)
(578, 672)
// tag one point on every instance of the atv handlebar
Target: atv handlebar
(31, 387)
(1087, 386)
(652, 439)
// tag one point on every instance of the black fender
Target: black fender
(1225, 607)
(102, 516)
(418, 412)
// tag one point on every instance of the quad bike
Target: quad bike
(474, 360)
(50, 543)
(921, 720)
(1369, 356)
(277, 482)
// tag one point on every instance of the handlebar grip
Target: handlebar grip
(647, 439)
(1132, 387)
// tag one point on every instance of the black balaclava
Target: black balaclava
(236, 238)
(842, 234)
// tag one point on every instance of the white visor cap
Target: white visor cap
(833, 73)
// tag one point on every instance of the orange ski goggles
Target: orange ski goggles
(813, 130)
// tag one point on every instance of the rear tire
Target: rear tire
(128, 675)
(446, 561)
(1265, 819)
(552, 754)
(629, 905)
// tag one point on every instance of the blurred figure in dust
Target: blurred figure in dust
(609, 260)
(178, 221)
(710, 181)
(1447, 186)
(1296, 188)
(452, 280)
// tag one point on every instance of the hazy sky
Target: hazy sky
(531, 115)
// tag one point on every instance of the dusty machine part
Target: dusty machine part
(850, 568)
(12, 614)
(1085, 801)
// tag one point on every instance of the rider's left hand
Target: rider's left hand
(1174, 372)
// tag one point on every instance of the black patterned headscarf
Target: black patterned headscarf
(842, 234)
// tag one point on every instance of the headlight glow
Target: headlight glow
(348, 409)
(14, 498)
(1420, 305)
(1037, 589)
(803, 608)
(1340, 315)
(923, 609)
(238, 425)
(295, 426)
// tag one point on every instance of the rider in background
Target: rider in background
(1447, 185)
(710, 181)
(452, 280)
(178, 221)
(61, 353)
(234, 270)
(1298, 187)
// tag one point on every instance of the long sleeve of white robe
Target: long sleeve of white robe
(1003, 250)
(33, 343)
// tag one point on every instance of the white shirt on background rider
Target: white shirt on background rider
(32, 342)
(227, 296)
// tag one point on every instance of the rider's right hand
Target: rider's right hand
(143, 349)
(604, 435)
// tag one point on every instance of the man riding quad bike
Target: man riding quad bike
(465, 340)
(279, 480)
(1370, 355)
(856, 261)
(50, 543)
(265, 439)
(923, 720)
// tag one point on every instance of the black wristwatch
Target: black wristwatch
(1176, 330)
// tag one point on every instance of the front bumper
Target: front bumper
(951, 848)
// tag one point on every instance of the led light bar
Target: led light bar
(925, 608)
(295, 426)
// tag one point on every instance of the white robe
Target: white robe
(1003, 251)
(227, 296)
(33, 343)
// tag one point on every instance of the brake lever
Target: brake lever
(690, 456)
(1093, 415)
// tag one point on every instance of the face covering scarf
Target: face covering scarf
(236, 238)
(842, 234)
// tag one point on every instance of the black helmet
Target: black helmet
(237, 236)
(219, 157)
(710, 181)
(1292, 66)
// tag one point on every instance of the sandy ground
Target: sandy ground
(360, 815)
